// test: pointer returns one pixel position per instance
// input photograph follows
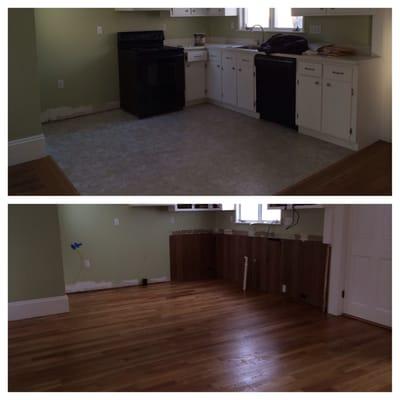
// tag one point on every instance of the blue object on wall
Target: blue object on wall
(75, 245)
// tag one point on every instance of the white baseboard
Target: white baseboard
(87, 286)
(37, 307)
(26, 149)
(60, 113)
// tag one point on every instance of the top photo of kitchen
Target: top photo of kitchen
(200, 101)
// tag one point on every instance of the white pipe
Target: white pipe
(246, 264)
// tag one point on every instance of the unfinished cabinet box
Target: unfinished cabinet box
(305, 271)
(192, 256)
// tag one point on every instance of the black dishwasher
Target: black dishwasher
(276, 89)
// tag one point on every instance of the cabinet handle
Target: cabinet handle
(233, 68)
(328, 84)
(337, 73)
(309, 69)
(240, 69)
(316, 82)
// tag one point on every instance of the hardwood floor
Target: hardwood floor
(367, 172)
(39, 178)
(196, 336)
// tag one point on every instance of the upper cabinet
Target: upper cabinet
(305, 12)
(203, 12)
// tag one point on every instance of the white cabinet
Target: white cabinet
(229, 81)
(309, 102)
(180, 12)
(238, 80)
(246, 82)
(336, 109)
(198, 12)
(305, 12)
(203, 12)
(214, 75)
(222, 12)
(334, 101)
(195, 81)
(350, 11)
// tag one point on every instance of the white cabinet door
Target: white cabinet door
(304, 12)
(309, 102)
(368, 277)
(180, 12)
(245, 82)
(214, 78)
(198, 12)
(336, 109)
(195, 81)
(349, 11)
(229, 80)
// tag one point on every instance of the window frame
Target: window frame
(259, 221)
(242, 16)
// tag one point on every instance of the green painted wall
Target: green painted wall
(70, 49)
(34, 253)
(23, 82)
(137, 248)
(349, 30)
(311, 223)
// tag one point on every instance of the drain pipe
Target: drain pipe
(246, 264)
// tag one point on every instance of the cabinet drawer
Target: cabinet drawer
(196, 55)
(338, 72)
(310, 69)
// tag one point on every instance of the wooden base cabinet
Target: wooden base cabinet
(292, 268)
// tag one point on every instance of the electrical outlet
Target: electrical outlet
(315, 29)
(116, 221)
(99, 30)
(86, 263)
(60, 83)
(232, 26)
(283, 288)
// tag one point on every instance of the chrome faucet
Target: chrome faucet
(261, 29)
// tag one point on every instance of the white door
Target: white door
(245, 82)
(195, 81)
(336, 109)
(229, 87)
(368, 287)
(308, 102)
(214, 76)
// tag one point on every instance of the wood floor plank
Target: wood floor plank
(196, 336)
(367, 172)
(40, 177)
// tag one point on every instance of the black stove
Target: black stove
(151, 75)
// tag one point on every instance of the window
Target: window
(257, 214)
(275, 19)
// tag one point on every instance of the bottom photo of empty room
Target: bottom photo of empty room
(200, 297)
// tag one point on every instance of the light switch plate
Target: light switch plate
(99, 30)
(60, 83)
(116, 221)
(86, 263)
